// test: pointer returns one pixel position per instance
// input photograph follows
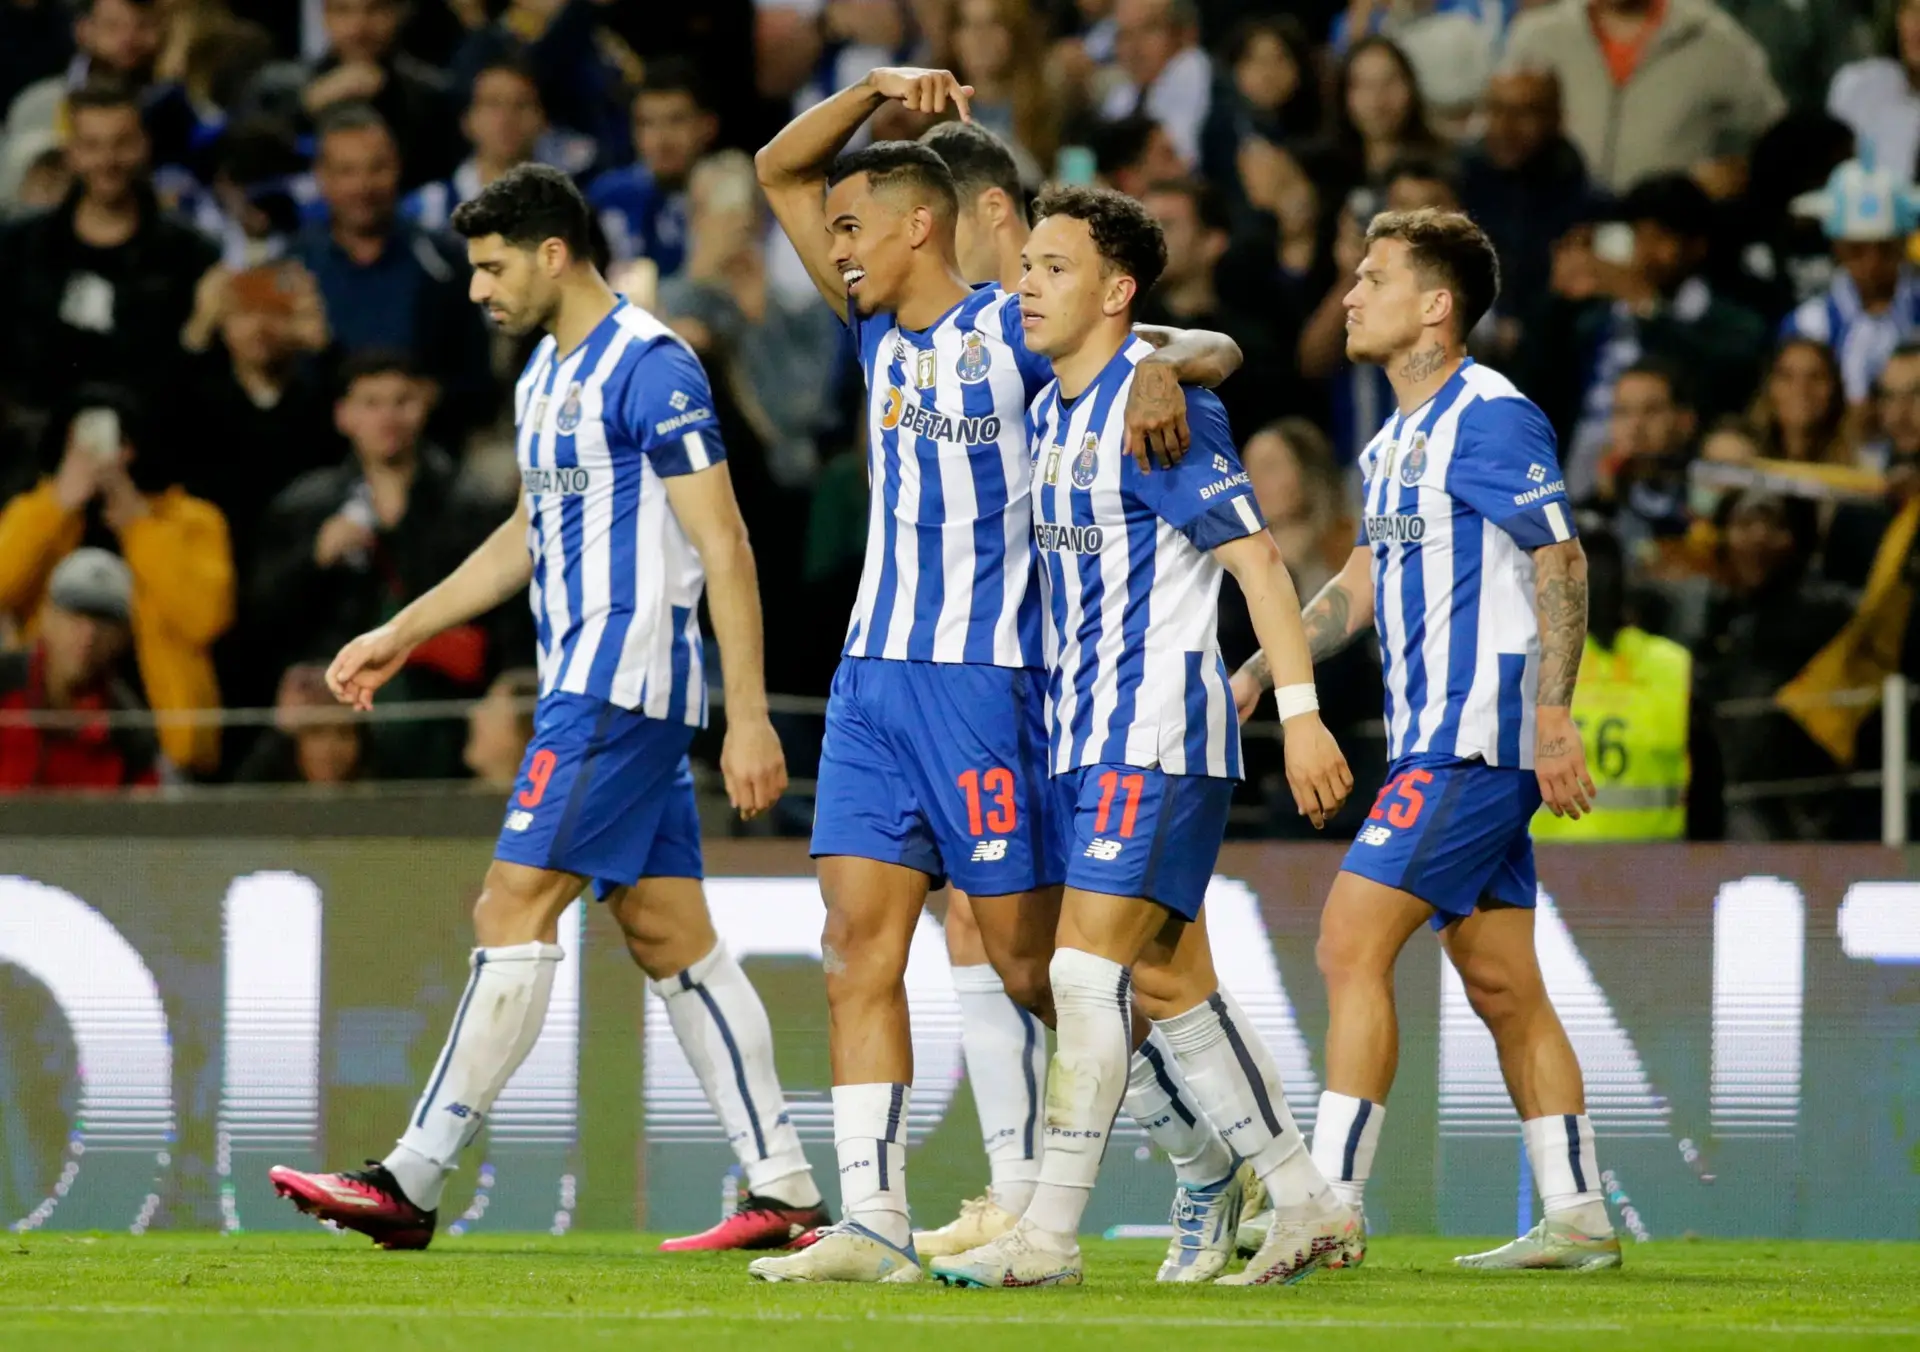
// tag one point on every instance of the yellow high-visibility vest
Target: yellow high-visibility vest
(1631, 708)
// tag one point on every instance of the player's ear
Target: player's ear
(1439, 306)
(552, 257)
(1120, 293)
(920, 225)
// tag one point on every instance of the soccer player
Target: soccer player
(1468, 568)
(1004, 1045)
(932, 767)
(626, 510)
(1144, 749)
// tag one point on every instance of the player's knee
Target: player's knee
(1159, 992)
(859, 950)
(517, 903)
(1501, 997)
(1029, 984)
(1348, 959)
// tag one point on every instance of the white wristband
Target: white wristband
(1296, 699)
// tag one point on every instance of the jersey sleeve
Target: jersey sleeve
(1505, 466)
(1206, 497)
(666, 406)
(1035, 370)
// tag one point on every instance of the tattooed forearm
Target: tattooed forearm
(1560, 606)
(1423, 363)
(1328, 620)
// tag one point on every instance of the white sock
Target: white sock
(870, 1136)
(1006, 1052)
(1345, 1134)
(494, 1028)
(1566, 1169)
(1232, 1074)
(723, 1028)
(1159, 1100)
(1093, 1031)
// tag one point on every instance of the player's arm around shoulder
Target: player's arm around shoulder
(1156, 413)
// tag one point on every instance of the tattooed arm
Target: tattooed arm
(1340, 613)
(1560, 608)
(1156, 408)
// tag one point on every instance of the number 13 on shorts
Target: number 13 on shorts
(992, 791)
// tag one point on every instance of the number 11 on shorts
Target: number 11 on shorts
(1111, 781)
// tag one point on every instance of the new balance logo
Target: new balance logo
(519, 821)
(1106, 851)
(1536, 474)
(989, 851)
(679, 401)
(460, 1110)
(1375, 835)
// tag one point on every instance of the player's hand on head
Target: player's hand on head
(753, 765)
(1316, 768)
(365, 664)
(1156, 416)
(923, 91)
(1560, 763)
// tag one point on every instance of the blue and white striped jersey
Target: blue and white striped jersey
(1459, 493)
(1129, 585)
(1862, 342)
(949, 545)
(616, 584)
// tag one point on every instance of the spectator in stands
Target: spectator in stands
(1133, 152)
(1800, 413)
(1768, 258)
(36, 36)
(998, 48)
(260, 186)
(1168, 76)
(115, 40)
(313, 740)
(44, 183)
(1268, 91)
(344, 548)
(260, 412)
(107, 491)
(1896, 414)
(500, 726)
(643, 208)
(71, 668)
(1764, 625)
(1525, 185)
(1188, 295)
(504, 123)
(1879, 97)
(1378, 117)
(1853, 536)
(1452, 45)
(1650, 86)
(101, 285)
(387, 283)
(1604, 315)
(365, 65)
(1872, 305)
(1642, 481)
(1805, 43)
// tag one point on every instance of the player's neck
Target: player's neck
(1079, 368)
(584, 302)
(1417, 374)
(932, 294)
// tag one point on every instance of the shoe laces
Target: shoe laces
(974, 1206)
(376, 1177)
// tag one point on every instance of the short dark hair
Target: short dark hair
(1121, 142)
(515, 66)
(1448, 247)
(526, 205)
(1126, 238)
(353, 115)
(1678, 387)
(103, 92)
(675, 75)
(1425, 168)
(364, 363)
(902, 164)
(978, 160)
(1208, 206)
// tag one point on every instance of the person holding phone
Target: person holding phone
(104, 491)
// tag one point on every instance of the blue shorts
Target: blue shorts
(1143, 833)
(1451, 832)
(942, 767)
(604, 792)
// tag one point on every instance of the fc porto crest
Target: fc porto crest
(569, 416)
(975, 361)
(1415, 464)
(1086, 465)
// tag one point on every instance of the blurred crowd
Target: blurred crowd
(246, 409)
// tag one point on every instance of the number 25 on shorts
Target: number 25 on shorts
(1406, 799)
(1002, 813)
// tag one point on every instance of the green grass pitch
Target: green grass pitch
(210, 1293)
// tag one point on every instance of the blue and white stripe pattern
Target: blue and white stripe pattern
(949, 550)
(1861, 342)
(1131, 590)
(616, 584)
(1458, 495)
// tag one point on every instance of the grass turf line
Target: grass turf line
(296, 1291)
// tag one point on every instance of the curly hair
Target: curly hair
(1126, 237)
(526, 205)
(1447, 247)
